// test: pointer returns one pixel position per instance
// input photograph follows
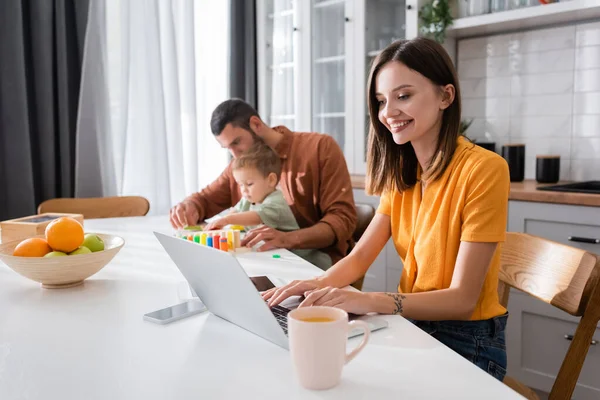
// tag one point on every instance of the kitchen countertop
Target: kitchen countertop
(526, 191)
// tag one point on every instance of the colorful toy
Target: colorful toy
(226, 240)
(223, 246)
(194, 228)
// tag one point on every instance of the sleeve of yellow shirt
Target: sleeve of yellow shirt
(385, 204)
(485, 212)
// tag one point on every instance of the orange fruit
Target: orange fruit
(64, 234)
(34, 247)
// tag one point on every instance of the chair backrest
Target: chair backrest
(557, 274)
(365, 213)
(98, 207)
(563, 276)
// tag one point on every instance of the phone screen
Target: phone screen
(262, 283)
(189, 307)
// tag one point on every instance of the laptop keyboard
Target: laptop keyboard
(280, 314)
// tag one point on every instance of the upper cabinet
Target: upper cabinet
(314, 56)
(526, 15)
(313, 61)
(278, 62)
(331, 48)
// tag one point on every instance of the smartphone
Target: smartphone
(262, 283)
(176, 312)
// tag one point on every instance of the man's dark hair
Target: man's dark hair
(233, 111)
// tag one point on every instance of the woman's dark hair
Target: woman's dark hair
(394, 167)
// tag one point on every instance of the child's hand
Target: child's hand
(218, 224)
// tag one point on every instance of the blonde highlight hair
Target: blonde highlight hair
(260, 157)
(395, 167)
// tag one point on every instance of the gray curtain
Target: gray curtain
(41, 49)
(242, 60)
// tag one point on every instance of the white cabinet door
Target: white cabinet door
(331, 31)
(577, 226)
(313, 60)
(538, 336)
(379, 23)
(279, 70)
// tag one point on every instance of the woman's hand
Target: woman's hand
(350, 301)
(294, 288)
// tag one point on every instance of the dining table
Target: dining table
(91, 341)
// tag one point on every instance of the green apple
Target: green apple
(55, 254)
(80, 250)
(93, 242)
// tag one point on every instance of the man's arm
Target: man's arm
(318, 236)
(335, 200)
(213, 199)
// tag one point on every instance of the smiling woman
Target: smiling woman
(444, 203)
(414, 109)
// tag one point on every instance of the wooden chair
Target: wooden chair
(98, 207)
(564, 277)
(365, 214)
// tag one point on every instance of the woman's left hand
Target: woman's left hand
(348, 300)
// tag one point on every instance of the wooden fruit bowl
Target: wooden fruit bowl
(61, 272)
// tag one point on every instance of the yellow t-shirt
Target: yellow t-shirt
(468, 203)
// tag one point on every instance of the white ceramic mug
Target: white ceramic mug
(318, 349)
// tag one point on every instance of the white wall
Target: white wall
(540, 88)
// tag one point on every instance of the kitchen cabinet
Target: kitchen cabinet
(538, 334)
(561, 12)
(313, 62)
(537, 338)
(568, 224)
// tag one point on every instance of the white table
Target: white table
(90, 342)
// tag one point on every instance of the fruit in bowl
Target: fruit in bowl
(60, 258)
(63, 236)
(55, 254)
(80, 250)
(32, 247)
(93, 242)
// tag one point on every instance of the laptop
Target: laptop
(228, 292)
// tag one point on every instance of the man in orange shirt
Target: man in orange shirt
(314, 180)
